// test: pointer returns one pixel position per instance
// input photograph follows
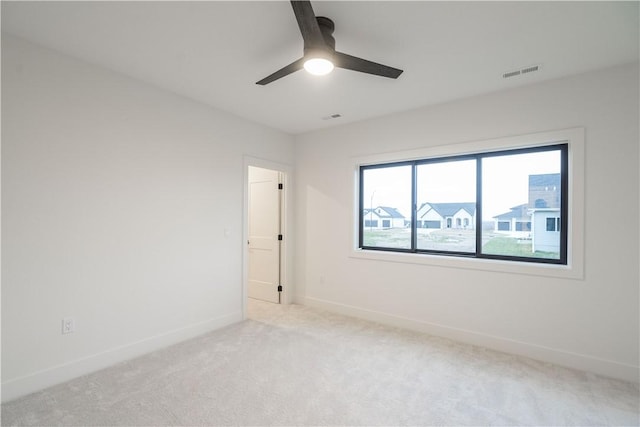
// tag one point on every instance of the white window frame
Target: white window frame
(574, 269)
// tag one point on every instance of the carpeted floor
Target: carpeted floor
(294, 365)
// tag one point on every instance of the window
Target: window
(553, 224)
(506, 205)
(386, 193)
(446, 194)
(504, 226)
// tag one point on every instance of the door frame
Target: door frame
(286, 266)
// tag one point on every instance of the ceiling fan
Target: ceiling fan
(320, 55)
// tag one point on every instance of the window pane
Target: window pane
(446, 206)
(521, 205)
(386, 207)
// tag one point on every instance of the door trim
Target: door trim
(286, 266)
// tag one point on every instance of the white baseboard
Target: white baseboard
(568, 359)
(36, 381)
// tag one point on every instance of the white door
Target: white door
(264, 228)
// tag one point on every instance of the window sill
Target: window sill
(497, 266)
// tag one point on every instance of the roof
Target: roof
(450, 209)
(519, 211)
(544, 210)
(387, 212)
(392, 212)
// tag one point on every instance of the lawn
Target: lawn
(511, 246)
(454, 240)
(398, 238)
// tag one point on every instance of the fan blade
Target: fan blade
(291, 68)
(349, 62)
(307, 23)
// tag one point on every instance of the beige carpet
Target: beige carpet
(293, 365)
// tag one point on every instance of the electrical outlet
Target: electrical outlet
(68, 325)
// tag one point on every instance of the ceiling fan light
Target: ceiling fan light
(318, 66)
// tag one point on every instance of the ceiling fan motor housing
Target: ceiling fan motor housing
(326, 28)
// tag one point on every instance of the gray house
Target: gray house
(540, 217)
(446, 215)
(544, 191)
(517, 219)
(383, 217)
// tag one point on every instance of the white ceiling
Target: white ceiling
(214, 51)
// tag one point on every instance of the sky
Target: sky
(505, 181)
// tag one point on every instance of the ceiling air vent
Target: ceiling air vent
(333, 116)
(530, 69)
(511, 74)
(525, 70)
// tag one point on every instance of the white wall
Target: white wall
(590, 323)
(115, 200)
